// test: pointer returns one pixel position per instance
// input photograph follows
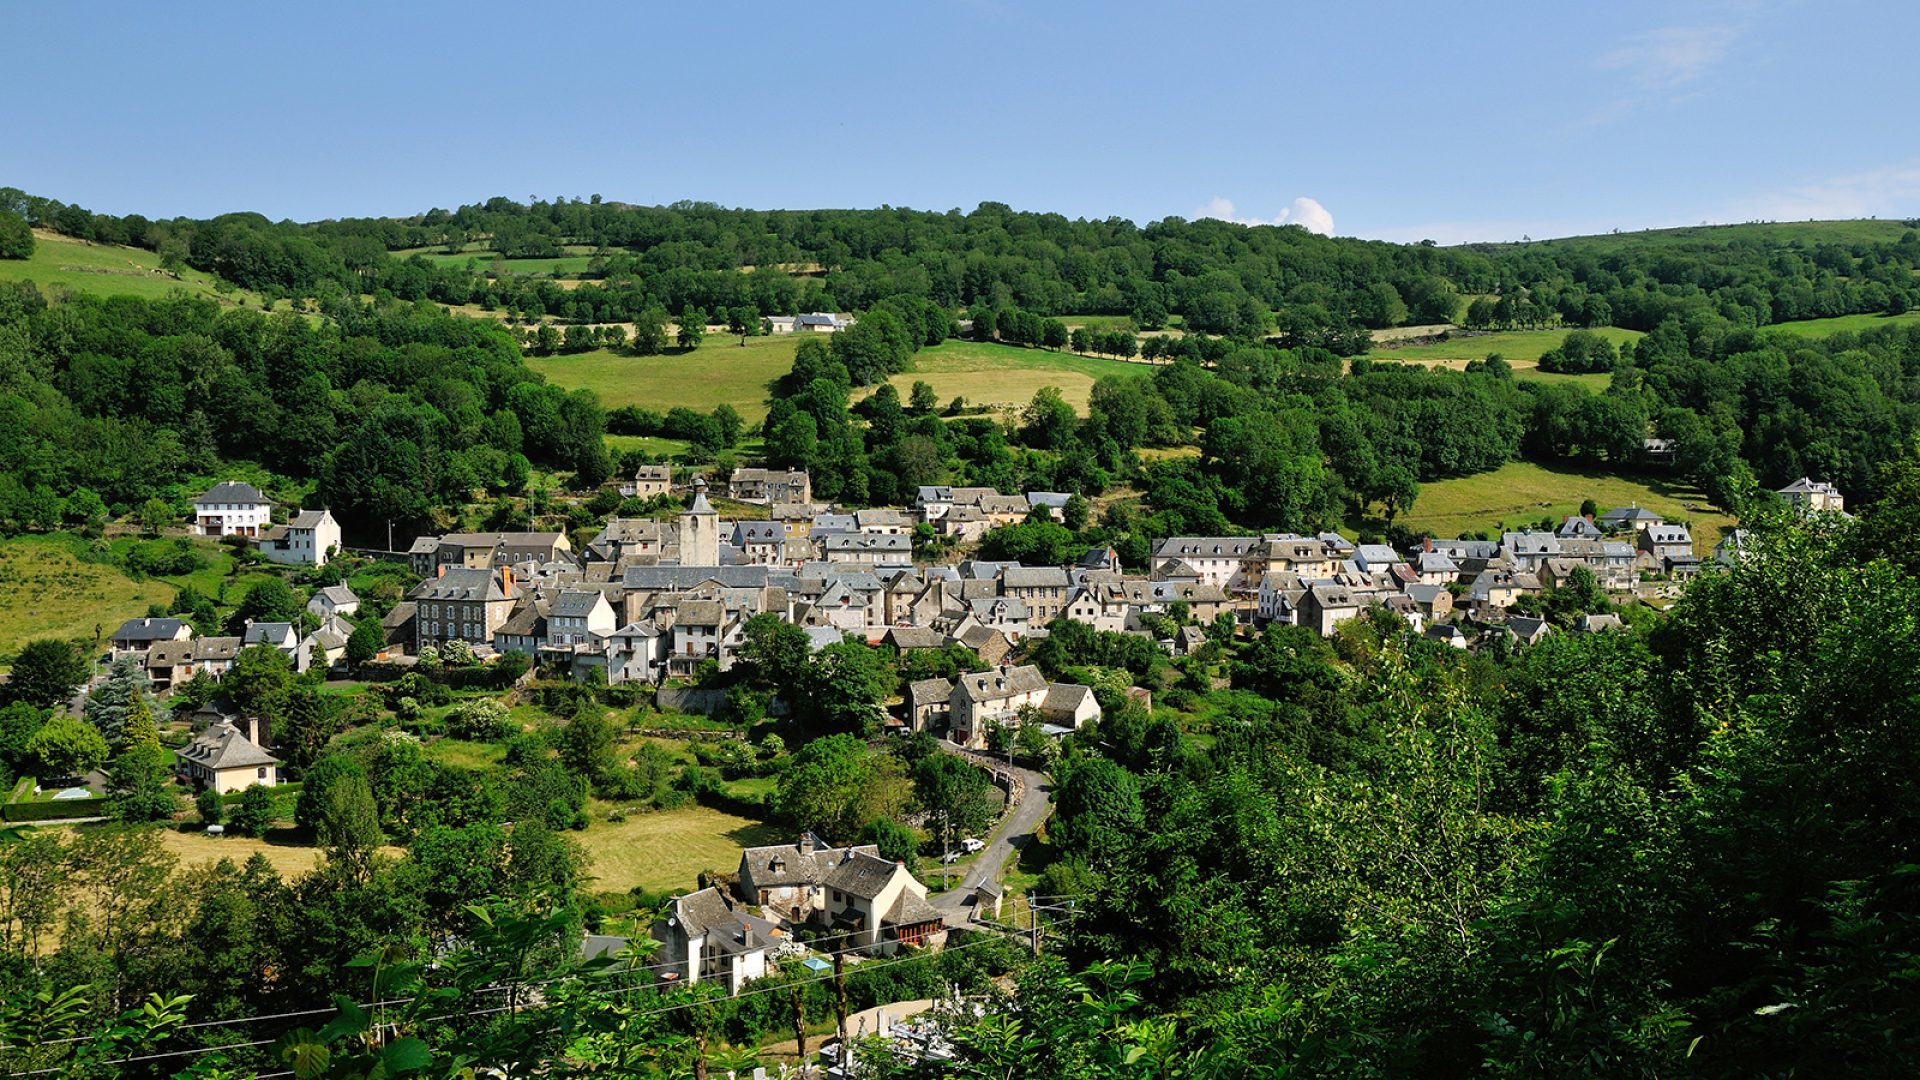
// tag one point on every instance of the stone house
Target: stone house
(232, 508)
(225, 760)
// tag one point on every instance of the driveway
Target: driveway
(1015, 830)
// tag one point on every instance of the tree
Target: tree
(138, 786)
(259, 672)
(955, 795)
(1076, 513)
(270, 600)
(744, 321)
(108, 704)
(1098, 811)
(365, 643)
(897, 843)
(693, 327)
(303, 720)
(346, 823)
(66, 747)
(154, 515)
(921, 400)
(46, 673)
(209, 806)
(586, 744)
(255, 813)
(775, 651)
(834, 786)
(16, 237)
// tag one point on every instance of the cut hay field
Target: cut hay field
(108, 270)
(45, 591)
(1007, 376)
(1520, 493)
(289, 855)
(718, 371)
(1819, 328)
(667, 849)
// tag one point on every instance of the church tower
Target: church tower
(699, 529)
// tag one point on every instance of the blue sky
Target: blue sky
(1396, 120)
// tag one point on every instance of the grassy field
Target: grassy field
(1849, 231)
(1818, 328)
(483, 261)
(1007, 375)
(108, 270)
(1521, 493)
(652, 444)
(718, 371)
(45, 591)
(668, 849)
(1521, 348)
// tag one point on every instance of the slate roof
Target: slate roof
(1034, 577)
(681, 578)
(267, 633)
(861, 872)
(1807, 486)
(1627, 515)
(1199, 547)
(1002, 683)
(1668, 534)
(1065, 697)
(232, 491)
(928, 691)
(338, 595)
(916, 637)
(307, 519)
(148, 630)
(576, 603)
(460, 583)
(909, 909)
(222, 746)
(781, 865)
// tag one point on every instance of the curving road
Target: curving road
(1013, 833)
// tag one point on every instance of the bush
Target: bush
(210, 807)
(54, 811)
(479, 721)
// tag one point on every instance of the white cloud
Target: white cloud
(1304, 212)
(1893, 191)
(1670, 57)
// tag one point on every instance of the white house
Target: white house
(309, 538)
(875, 904)
(579, 617)
(704, 938)
(333, 600)
(223, 759)
(232, 508)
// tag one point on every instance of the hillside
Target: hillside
(111, 270)
(1765, 233)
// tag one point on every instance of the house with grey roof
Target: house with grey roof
(225, 760)
(282, 637)
(333, 600)
(866, 549)
(232, 508)
(579, 618)
(1576, 527)
(1623, 518)
(790, 880)
(995, 695)
(928, 702)
(309, 538)
(1808, 496)
(876, 905)
(1324, 607)
(705, 937)
(140, 635)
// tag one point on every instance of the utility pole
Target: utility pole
(840, 999)
(799, 1023)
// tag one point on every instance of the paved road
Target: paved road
(1015, 830)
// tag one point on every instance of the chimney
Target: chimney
(440, 570)
(746, 934)
(805, 845)
(506, 580)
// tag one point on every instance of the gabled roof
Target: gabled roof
(149, 630)
(308, 519)
(233, 491)
(267, 633)
(1629, 514)
(577, 603)
(908, 909)
(338, 595)
(1806, 486)
(222, 746)
(1066, 697)
(780, 865)
(1002, 683)
(862, 872)
(927, 691)
(460, 583)
(1033, 577)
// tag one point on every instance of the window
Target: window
(263, 772)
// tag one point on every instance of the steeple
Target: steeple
(700, 529)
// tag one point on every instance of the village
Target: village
(662, 603)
